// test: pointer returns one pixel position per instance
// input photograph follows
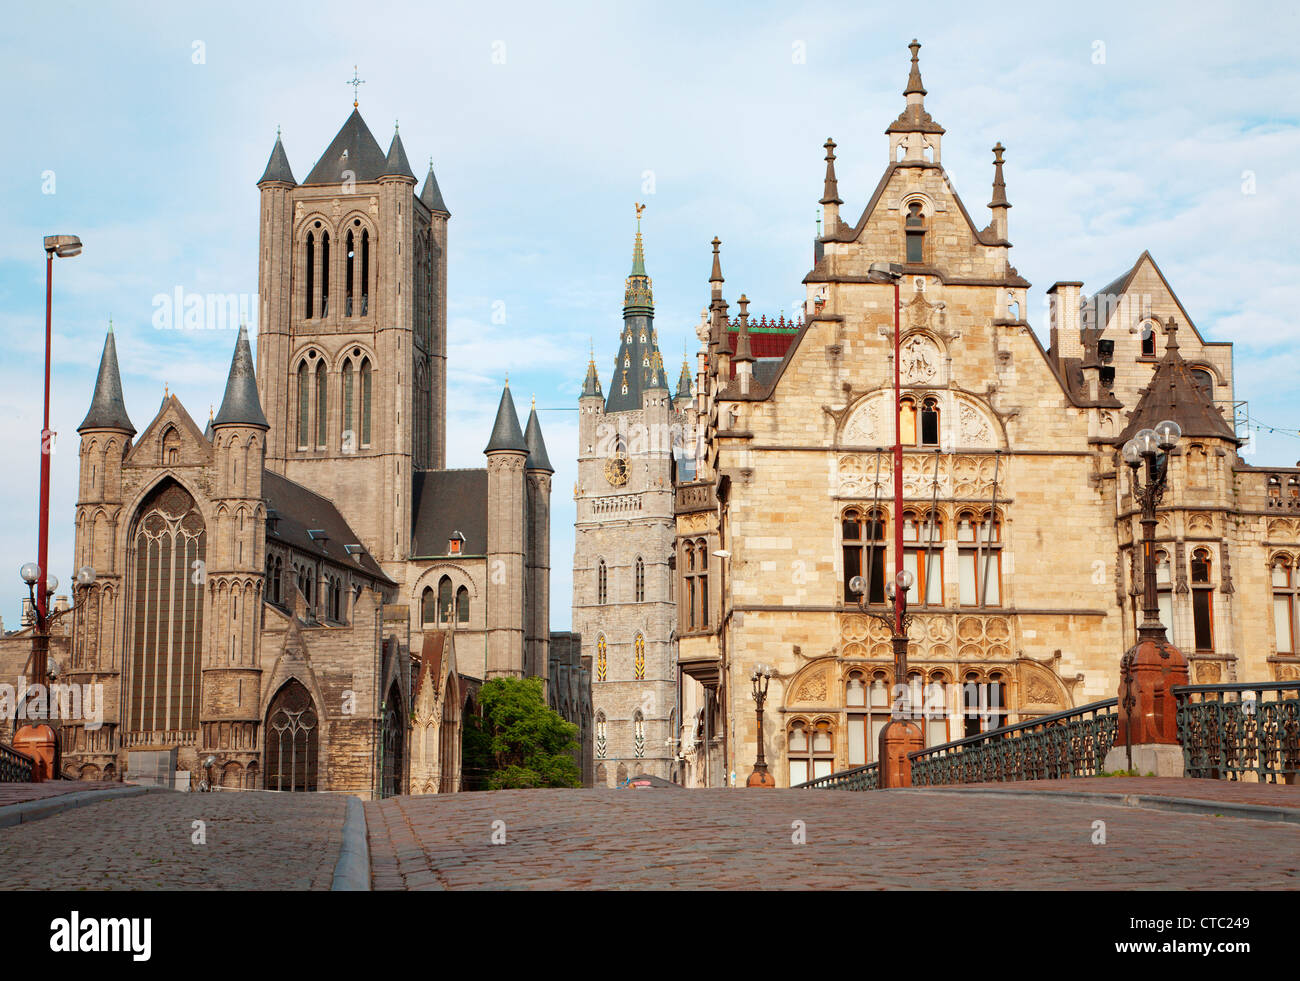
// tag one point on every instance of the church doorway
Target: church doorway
(394, 744)
(292, 739)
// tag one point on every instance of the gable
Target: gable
(171, 429)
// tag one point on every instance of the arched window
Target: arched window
(914, 225)
(867, 706)
(462, 605)
(810, 751)
(1203, 600)
(304, 407)
(325, 274)
(428, 606)
(638, 734)
(1148, 340)
(984, 703)
(923, 556)
(1164, 593)
(365, 401)
(602, 583)
(639, 662)
(930, 421)
(347, 276)
(1284, 605)
(310, 262)
(349, 435)
(863, 535)
(167, 630)
(1204, 381)
(171, 447)
(936, 710)
(979, 558)
(365, 271)
(444, 600)
(602, 659)
(640, 579)
(322, 402)
(907, 419)
(291, 740)
(602, 736)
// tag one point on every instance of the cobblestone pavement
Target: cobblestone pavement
(737, 839)
(1226, 791)
(19, 793)
(255, 840)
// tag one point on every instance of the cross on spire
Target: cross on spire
(355, 81)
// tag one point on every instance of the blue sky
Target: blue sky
(1128, 128)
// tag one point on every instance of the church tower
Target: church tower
(352, 340)
(623, 605)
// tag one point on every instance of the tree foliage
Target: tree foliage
(518, 741)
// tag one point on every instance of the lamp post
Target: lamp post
(892, 272)
(1151, 446)
(760, 678)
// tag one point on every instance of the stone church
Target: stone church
(1019, 524)
(304, 591)
(630, 442)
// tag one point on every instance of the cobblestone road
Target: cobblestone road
(733, 839)
(255, 840)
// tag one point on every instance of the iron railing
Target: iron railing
(1073, 743)
(15, 767)
(1230, 730)
(859, 778)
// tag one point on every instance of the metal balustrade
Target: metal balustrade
(15, 767)
(1230, 730)
(859, 778)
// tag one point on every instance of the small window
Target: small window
(1148, 340)
(1204, 381)
(930, 422)
(915, 229)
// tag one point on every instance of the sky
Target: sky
(143, 128)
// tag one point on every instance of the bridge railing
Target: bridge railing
(859, 778)
(15, 767)
(1230, 730)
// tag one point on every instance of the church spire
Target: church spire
(684, 381)
(431, 195)
(241, 406)
(396, 164)
(107, 407)
(914, 118)
(277, 167)
(914, 86)
(639, 366)
(638, 296)
(506, 435)
(537, 458)
(592, 385)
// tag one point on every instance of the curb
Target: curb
(352, 871)
(1185, 805)
(34, 810)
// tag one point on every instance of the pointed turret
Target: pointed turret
(743, 352)
(241, 405)
(831, 189)
(914, 119)
(999, 205)
(396, 164)
(684, 381)
(107, 407)
(207, 430)
(537, 458)
(432, 195)
(353, 151)
(277, 167)
(506, 435)
(638, 296)
(638, 365)
(592, 384)
(1175, 394)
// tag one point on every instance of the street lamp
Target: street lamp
(892, 272)
(723, 627)
(760, 678)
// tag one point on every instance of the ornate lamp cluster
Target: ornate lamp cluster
(759, 678)
(1151, 446)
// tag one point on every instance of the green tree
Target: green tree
(518, 741)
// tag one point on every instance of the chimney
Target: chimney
(1066, 341)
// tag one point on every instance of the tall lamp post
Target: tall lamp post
(1151, 667)
(760, 678)
(892, 272)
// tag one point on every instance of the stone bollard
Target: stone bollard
(899, 738)
(1148, 710)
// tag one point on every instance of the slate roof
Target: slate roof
(431, 195)
(537, 458)
(107, 407)
(506, 434)
(354, 149)
(277, 167)
(444, 502)
(433, 644)
(1174, 394)
(298, 510)
(241, 404)
(396, 164)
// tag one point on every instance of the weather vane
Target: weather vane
(355, 81)
(639, 208)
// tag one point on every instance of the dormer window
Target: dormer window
(455, 544)
(1148, 340)
(1204, 381)
(914, 225)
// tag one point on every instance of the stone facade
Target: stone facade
(1012, 447)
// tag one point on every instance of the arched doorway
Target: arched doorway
(292, 735)
(394, 743)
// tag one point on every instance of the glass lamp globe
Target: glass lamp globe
(889, 590)
(905, 579)
(1167, 434)
(1131, 454)
(857, 584)
(30, 572)
(85, 575)
(1148, 443)
(51, 584)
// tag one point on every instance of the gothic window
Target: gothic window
(167, 639)
(638, 734)
(923, 556)
(640, 579)
(322, 402)
(325, 274)
(984, 705)
(336, 598)
(171, 447)
(979, 559)
(810, 751)
(304, 407)
(1284, 605)
(936, 710)
(311, 272)
(602, 583)
(428, 607)
(696, 574)
(907, 420)
(291, 740)
(602, 659)
(1148, 340)
(365, 271)
(602, 736)
(867, 705)
(444, 600)
(639, 663)
(365, 401)
(349, 435)
(347, 276)
(914, 225)
(930, 421)
(462, 605)
(1202, 600)
(863, 535)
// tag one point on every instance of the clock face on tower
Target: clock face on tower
(616, 470)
